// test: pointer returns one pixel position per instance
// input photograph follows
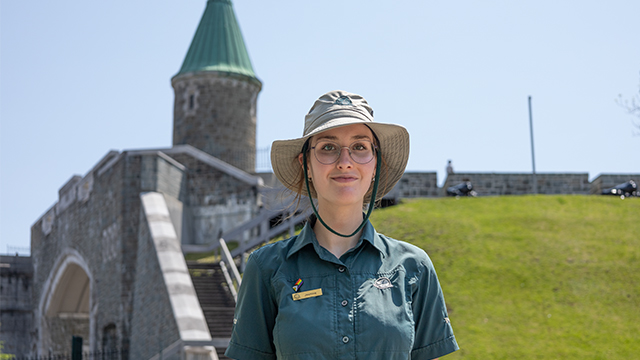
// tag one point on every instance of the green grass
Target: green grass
(532, 277)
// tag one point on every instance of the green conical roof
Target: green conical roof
(218, 44)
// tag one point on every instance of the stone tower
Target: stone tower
(216, 91)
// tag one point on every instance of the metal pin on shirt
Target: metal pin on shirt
(297, 285)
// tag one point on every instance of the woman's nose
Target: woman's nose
(345, 158)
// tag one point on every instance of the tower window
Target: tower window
(190, 98)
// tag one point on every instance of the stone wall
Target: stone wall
(216, 113)
(166, 307)
(217, 200)
(153, 321)
(16, 315)
(96, 226)
(494, 184)
(424, 184)
(416, 184)
(604, 181)
(87, 226)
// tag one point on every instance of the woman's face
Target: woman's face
(344, 182)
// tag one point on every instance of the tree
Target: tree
(4, 356)
(633, 108)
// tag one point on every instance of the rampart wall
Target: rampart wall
(416, 184)
(96, 226)
(424, 184)
(604, 181)
(16, 315)
(493, 184)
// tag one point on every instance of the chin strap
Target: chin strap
(371, 203)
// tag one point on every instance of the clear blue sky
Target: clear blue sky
(79, 78)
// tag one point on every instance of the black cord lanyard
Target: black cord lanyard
(371, 203)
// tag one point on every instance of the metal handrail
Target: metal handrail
(266, 233)
(227, 259)
(270, 233)
(232, 288)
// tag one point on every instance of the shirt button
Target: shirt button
(345, 339)
(342, 268)
(344, 303)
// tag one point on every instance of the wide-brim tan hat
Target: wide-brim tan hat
(335, 109)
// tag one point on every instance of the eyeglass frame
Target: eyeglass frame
(374, 151)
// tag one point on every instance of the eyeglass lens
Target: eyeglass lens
(328, 152)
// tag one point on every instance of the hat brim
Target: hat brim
(394, 147)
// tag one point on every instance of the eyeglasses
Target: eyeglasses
(328, 152)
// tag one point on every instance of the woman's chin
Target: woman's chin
(346, 198)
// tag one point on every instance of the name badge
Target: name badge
(306, 294)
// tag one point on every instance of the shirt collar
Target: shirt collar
(307, 237)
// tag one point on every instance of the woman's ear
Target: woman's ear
(300, 160)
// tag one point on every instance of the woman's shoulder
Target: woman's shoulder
(405, 252)
(273, 253)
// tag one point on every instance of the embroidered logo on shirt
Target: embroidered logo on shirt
(383, 283)
(307, 294)
(297, 285)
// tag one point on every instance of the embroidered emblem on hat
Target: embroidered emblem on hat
(343, 100)
(383, 283)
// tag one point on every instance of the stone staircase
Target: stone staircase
(209, 281)
(215, 299)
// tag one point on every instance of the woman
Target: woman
(340, 290)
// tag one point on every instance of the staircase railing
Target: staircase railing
(266, 233)
(227, 259)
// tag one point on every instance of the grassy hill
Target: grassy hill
(532, 277)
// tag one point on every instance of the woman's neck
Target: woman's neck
(343, 220)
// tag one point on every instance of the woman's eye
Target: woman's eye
(328, 147)
(359, 147)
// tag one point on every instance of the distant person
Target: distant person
(339, 289)
(449, 168)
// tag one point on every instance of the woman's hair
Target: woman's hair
(300, 187)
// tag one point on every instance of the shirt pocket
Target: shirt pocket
(306, 325)
(383, 312)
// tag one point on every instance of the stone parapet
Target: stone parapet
(605, 181)
(415, 184)
(494, 184)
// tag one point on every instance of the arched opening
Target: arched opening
(109, 349)
(65, 309)
(71, 297)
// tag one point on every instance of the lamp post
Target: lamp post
(533, 156)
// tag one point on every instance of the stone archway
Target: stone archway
(66, 306)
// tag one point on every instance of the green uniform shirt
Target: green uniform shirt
(380, 300)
